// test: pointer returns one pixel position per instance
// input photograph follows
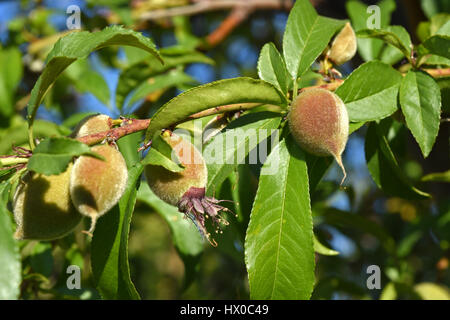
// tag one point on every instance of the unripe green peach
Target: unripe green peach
(343, 47)
(186, 189)
(318, 121)
(96, 185)
(42, 207)
(92, 124)
(170, 186)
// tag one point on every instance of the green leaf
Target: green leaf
(10, 75)
(279, 247)
(444, 85)
(432, 291)
(423, 30)
(433, 7)
(434, 60)
(78, 45)
(420, 100)
(443, 26)
(438, 25)
(389, 292)
(185, 236)
(85, 80)
(17, 133)
(138, 72)
(159, 82)
(318, 166)
(183, 32)
(271, 68)
(408, 242)
(214, 94)
(396, 36)
(438, 45)
(370, 92)
(437, 177)
(246, 133)
(327, 286)
(10, 268)
(74, 119)
(306, 36)
(52, 155)
(322, 249)
(354, 126)
(128, 147)
(344, 219)
(41, 259)
(109, 257)
(12, 68)
(369, 49)
(384, 168)
(156, 158)
(160, 154)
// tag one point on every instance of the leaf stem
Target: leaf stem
(8, 161)
(295, 89)
(224, 108)
(31, 137)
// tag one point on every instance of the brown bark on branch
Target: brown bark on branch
(129, 126)
(236, 16)
(438, 73)
(332, 86)
(205, 6)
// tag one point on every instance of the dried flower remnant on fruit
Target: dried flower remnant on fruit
(42, 207)
(96, 185)
(186, 189)
(198, 207)
(343, 47)
(318, 121)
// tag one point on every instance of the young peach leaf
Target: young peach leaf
(384, 168)
(271, 67)
(370, 92)
(52, 155)
(218, 93)
(78, 45)
(248, 134)
(109, 258)
(279, 246)
(420, 100)
(306, 36)
(10, 269)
